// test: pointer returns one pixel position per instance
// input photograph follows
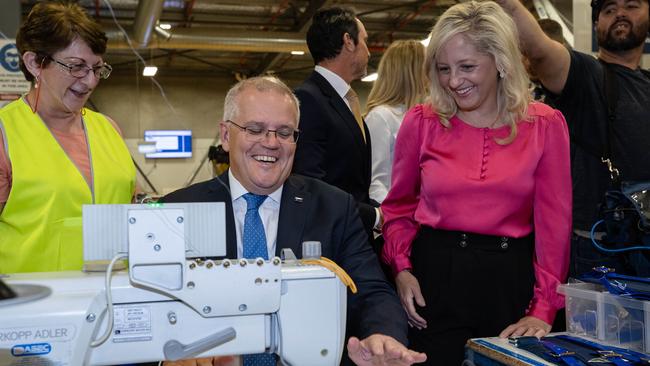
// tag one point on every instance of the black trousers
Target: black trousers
(474, 286)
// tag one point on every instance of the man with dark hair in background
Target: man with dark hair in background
(577, 82)
(334, 144)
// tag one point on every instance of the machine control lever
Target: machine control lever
(175, 350)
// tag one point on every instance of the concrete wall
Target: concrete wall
(10, 17)
(136, 104)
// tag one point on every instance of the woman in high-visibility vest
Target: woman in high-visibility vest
(56, 155)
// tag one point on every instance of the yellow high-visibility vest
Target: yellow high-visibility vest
(40, 225)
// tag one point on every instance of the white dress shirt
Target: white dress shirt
(269, 213)
(336, 82)
(383, 123)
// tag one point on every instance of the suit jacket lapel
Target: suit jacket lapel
(337, 103)
(221, 193)
(295, 206)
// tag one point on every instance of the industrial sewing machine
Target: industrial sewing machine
(168, 306)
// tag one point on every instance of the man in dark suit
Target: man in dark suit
(259, 130)
(334, 143)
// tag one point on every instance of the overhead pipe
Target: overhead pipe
(146, 17)
(218, 40)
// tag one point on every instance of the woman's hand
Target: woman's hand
(527, 326)
(408, 289)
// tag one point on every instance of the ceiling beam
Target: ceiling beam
(122, 65)
(413, 4)
(197, 59)
(272, 58)
(221, 40)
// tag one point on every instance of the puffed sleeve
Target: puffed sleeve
(552, 219)
(399, 206)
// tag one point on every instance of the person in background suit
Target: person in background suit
(334, 145)
(259, 131)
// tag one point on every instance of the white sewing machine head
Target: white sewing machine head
(169, 305)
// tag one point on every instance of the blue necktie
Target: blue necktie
(254, 241)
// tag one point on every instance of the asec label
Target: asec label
(33, 349)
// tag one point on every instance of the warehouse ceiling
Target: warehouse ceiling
(243, 37)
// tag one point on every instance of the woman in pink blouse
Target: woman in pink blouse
(477, 221)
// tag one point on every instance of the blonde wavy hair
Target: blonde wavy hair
(401, 76)
(492, 32)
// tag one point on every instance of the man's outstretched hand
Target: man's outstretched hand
(379, 349)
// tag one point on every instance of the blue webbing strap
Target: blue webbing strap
(616, 355)
(551, 352)
(619, 284)
(568, 357)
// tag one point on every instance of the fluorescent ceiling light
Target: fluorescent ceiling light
(149, 71)
(370, 77)
(298, 53)
(165, 26)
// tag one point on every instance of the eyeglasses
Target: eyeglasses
(285, 135)
(81, 70)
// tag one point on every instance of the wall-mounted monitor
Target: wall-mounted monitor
(169, 143)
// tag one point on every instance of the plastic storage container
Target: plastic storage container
(594, 313)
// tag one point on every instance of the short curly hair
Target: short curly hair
(52, 26)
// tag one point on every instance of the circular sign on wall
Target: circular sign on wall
(9, 57)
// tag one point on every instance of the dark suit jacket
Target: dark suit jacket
(331, 146)
(328, 215)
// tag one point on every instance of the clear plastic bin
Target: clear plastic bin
(594, 313)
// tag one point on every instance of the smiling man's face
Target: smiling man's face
(261, 167)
